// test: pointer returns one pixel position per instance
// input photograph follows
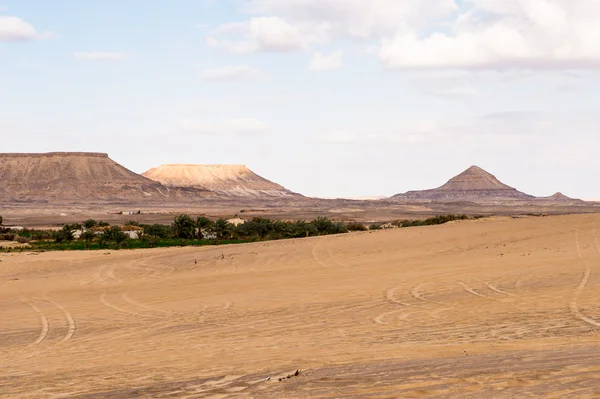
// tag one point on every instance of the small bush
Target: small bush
(375, 226)
(356, 226)
(7, 237)
(22, 240)
(88, 224)
(132, 223)
(63, 235)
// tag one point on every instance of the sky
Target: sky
(330, 98)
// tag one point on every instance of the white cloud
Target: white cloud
(531, 34)
(232, 126)
(357, 18)
(101, 56)
(15, 29)
(453, 92)
(228, 73)
(231, 46)
(274, 34)
(322, 62)
(339, 136)
(261, 34)
(430, 34)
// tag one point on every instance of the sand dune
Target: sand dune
(504, 308)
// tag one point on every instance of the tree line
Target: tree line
(189, 230)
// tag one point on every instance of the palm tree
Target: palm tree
(203, 224)
(223, 228)
(184, 227)
(87, 236)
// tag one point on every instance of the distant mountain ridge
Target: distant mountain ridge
(86, 177)
(474, 184)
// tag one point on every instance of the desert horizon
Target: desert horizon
(232, 179)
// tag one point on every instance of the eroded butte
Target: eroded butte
(501, 308)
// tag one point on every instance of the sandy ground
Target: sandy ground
(48, 215)
(507, 308)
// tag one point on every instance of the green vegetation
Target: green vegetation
(431, 221)
(355, 226)
(184, 231)
(187, 231)
(65, 234)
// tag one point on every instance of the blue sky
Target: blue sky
(327, 97)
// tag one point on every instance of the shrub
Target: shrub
(375, 226)
(88, 224)
(356, 226)
(114, 234)
(22, 240)
(158, 230)
(132, 223)
(150, 241)
(63, 235)
(326, 226)
(41, 234)
(440, 219)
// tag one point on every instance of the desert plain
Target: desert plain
(493, 308)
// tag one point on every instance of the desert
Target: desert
(500, 307)
(210, 281)
(300, 199)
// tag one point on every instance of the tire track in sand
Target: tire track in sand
(380, 319)
(390, 295)
(127, 299)
(418, 294)
(316, 257)
(72, 327)
(109, 305)
(45, 326)
(574, 306)
(498, 290)
(471, 291)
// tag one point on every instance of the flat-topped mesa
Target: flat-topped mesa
(60, 177)
(52, 154)
(235, 180)
(474, 184)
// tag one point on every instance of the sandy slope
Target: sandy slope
(489, 309)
